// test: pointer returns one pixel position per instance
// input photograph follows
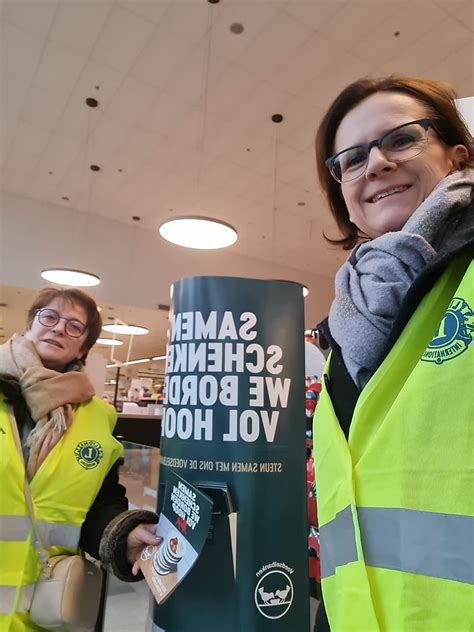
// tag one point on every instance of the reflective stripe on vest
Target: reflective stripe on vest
(17, 529)
(420, 542)
(8, 596)
(338, 544)
(60, 534)
(14, 528)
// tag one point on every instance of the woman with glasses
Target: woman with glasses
(393, 432)
(70, 455)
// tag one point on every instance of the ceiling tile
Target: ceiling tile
(308, 60)
(234, 86)
(395, 33)
(189, 80)
(288, 163)
(465, 87)
(160, 57)
(323, 88)
(253, 16)
(130, 102)
(254, 153)
(97, 81)
(189, 20)
(431, 48)
(453, 68)
(314, 12)
(59, 153)
(77, 25)
(58, 70)
(165, 115)
(44, 107)
(25, 152)
(357, 20)
(30, 15)
(21, 52)
(123, 38)
(275, 43)
(15, 182)
(462, 10)
(12, 97)
(151, 10)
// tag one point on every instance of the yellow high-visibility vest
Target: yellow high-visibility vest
(63, 490)
(396, 500)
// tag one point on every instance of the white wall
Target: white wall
(466, 107)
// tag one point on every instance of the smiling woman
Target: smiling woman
(395, 161)
(68, 451)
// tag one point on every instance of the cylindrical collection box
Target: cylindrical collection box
(233, 425)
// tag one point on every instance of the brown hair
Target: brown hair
(94, 320)
(438, 99)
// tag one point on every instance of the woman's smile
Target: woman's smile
(396, 189)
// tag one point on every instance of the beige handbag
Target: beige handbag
(68, 600)
(66, 597)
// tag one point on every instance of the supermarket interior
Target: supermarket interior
(121, 118)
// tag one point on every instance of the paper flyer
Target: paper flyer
(183, 525)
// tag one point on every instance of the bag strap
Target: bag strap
(39, 543)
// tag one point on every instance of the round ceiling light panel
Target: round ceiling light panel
(126, 330)
(76, 278)
(202, 233)
(109, 342)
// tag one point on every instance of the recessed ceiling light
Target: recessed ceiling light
(237, 28)
(203, 233)
(65, 276)
(109, 342)
(126, 330)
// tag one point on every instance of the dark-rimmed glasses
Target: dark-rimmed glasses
(400, 144)
(50, 318)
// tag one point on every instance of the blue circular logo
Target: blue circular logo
(454, 334)
(89, 454)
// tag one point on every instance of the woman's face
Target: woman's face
(369, 120)
(53, 345)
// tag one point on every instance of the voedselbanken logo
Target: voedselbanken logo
(274, 593)
(454, 334)
(89, 454)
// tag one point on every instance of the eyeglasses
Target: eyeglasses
(399, 145)
(50, 318)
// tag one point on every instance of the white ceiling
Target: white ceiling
(171, 138)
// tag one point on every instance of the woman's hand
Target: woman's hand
(142, 535)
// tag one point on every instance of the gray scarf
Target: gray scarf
(373, 282)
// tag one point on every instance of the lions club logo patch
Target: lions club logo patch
(454, 334)
(89, 454)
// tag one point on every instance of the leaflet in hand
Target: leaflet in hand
(183, 525)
